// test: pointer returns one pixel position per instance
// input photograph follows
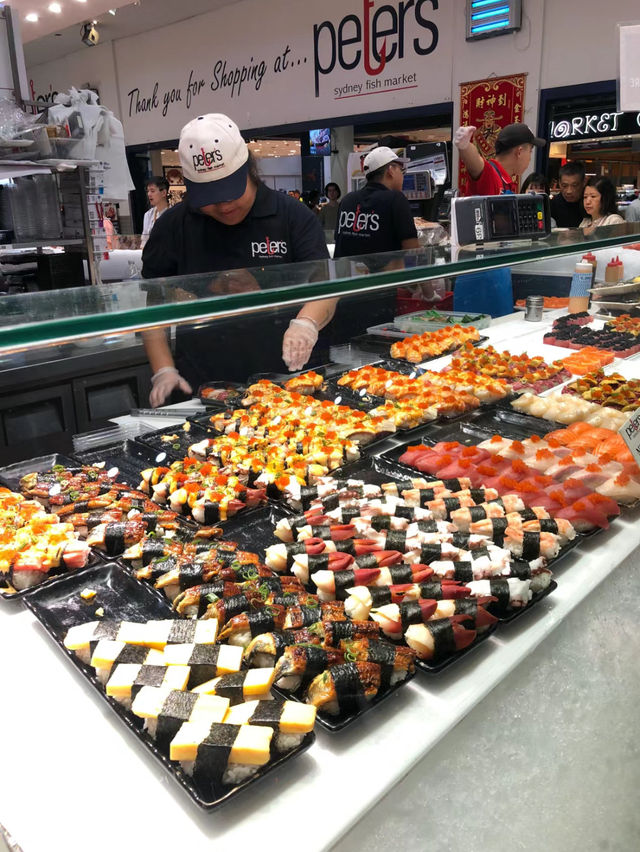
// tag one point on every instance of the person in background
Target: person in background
(600, 204)
(536, 182)
(491, 292)
(158, 194)
(227, 217)
(566, 207)
(632, 213)
(328, 214)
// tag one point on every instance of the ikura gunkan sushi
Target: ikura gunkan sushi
(218, 753)
(165, 710)
(290, 720)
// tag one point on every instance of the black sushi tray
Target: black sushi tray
(129, 457)
(11, 475)
(516, 613)
(178, 447)
(439, 666)
(124, 598)
(235, 392)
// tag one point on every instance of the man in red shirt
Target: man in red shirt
(491, 292)
(514, 147)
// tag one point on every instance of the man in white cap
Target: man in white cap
(230, 221)
(376, 219)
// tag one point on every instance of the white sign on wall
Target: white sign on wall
(278, 63)
(629, 74)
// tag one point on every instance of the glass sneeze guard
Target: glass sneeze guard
(65, 315)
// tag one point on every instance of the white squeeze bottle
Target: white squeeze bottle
(580, 285)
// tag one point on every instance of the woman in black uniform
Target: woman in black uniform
(231, 221)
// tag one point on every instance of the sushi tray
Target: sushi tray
(253, 530)
(175, 441)
(220, 395)
(448, 661)
(129, 458)
(11, 475)
(125, 599)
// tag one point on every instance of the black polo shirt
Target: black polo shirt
(566, 214)
(373, 219)
(183, 241)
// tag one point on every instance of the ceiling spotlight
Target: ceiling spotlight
(56, 8)
(112, 11)
(31, 17)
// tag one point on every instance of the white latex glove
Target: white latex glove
(164, 382)
(463, 136)
(298, 341)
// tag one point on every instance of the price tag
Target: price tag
(631, 434)
(629, 70)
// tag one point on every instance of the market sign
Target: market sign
(593, 124)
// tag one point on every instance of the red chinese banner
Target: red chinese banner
(490, 105)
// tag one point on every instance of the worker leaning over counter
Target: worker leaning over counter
(230, 221)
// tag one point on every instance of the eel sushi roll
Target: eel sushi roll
(109, 653)
(344, 688)
(114, 538)
(177, 631)
(265, 649)
(240, 686)
(290, 720)
(301, 663)
(204, 661)
(127, 679)
(165, 710)
(220, 754)
(396, 662)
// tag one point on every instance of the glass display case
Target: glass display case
(503, 720)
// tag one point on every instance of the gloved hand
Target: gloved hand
(463, 136)
(298, 341)
(164, 382)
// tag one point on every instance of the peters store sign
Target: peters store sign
(593, 125)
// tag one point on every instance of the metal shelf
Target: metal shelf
(5, 247)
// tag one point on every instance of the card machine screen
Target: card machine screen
(491, 218)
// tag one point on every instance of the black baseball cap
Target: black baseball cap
(517, 134)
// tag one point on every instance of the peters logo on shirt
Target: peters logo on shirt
(269, 249)
(358, 223)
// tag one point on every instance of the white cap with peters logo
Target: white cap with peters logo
(213, 156)
(379, 157)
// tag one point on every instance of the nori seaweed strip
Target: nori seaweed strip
(308, 494)
(152, 548)
(318, 562)
(548, 525)
(106, 630)
(347, 545)
(528, 514)
(442, 634)
(203, 662)
(231, 686)
(211, 512)
(401, 573)
(463, 571)
(530, 545)
(498, 527)
(460, 540)
(132, 654)
(261, 621)
(499, 502)
(316, 661)
(343, 580)
(298, 521)
(176, 709)
(294, 548)
(406, 512)
(235, 605)
(381, 522)
(477, 513)
(478, 495)
(499, 588)
(190, 574)
(348, 513)
(430, 552)
(380, 595)
(267, 713)
(426, 495)
(410, 613)
(203, 601)
(384, 655)
(81, 506)
(330, 502)
(396, 540)
(347, 685)
(114, 538)
(148, 676)
(182, 631)
(466, 606)
(431, 589)
(273, 584)
(367, 560)
(212, 758)
(521, 569)
(286, 599)
(479, 552)
(151, 520)
(452, 485)
(427, 526)
(323, 532)
(450, 504)
(308, 615)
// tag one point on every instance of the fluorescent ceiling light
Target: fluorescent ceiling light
(31, 17)
(56, 8)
